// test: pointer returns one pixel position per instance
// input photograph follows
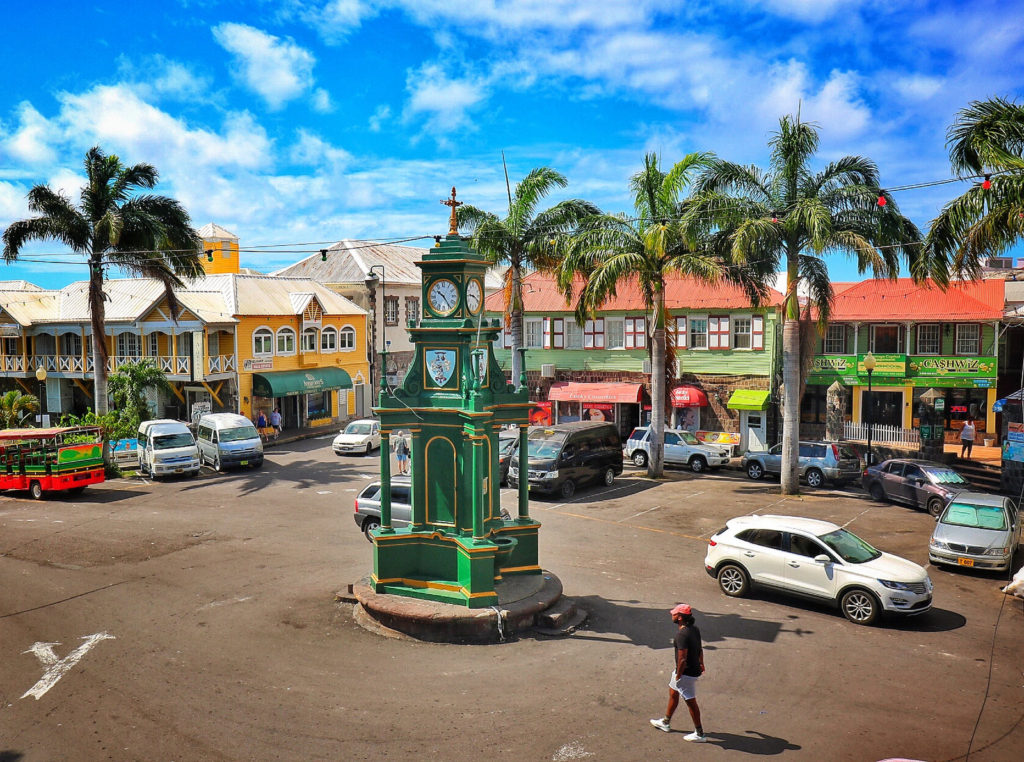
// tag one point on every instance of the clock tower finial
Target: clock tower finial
(453, 224)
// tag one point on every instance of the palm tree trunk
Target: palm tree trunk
(791, 382)
(656, 464)
(97, 310)
(516, 322)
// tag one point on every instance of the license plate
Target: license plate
(179, 470)
(245, 463)
(965, 561)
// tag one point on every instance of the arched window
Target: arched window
(347, 338)
(328, 340)
(309, 340)
(263, 342)
(285, 341)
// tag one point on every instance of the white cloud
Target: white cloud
(312, 150)
(445, 103)
(809, 10)
(13, 205)
(160, 77)
(380, 115)
(34, 138)
(322, 101)
(275, 69)
(918, 87)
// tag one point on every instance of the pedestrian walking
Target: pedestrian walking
(967, 434)
(689, 666)
(402, 455)
(261, 424)
(275, 421)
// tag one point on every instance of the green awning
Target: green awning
(288, 382)
(748, 399)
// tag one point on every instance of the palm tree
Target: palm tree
(129, 384)
(790, 215)
(15, 407)
(610, 250)
(987, 138)
(145, 235)
(523, 240)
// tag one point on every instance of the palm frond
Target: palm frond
(987, 135)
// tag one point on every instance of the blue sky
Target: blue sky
(316, 120)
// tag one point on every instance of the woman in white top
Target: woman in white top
(967, 438)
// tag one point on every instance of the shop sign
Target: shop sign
(831, 367)
(1015, 432)
(1013, 447)
(540, 414)
(885, 365)
(598, 411)
(718, 437)
(257, 364)
(953, 367)
(940, 404)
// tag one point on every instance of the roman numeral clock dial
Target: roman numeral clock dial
(443, 296)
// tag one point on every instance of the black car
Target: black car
(918, 483)
(562, 457)
(508, 445)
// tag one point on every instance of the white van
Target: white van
(227, 439)
(167, 447)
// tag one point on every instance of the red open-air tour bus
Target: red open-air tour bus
(47, 460)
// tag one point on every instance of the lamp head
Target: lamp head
(869, 362)
(40, 374)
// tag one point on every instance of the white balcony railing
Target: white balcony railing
(221, 363)
(13, 364)
(45, 361)
(882, 434)
(70, 364)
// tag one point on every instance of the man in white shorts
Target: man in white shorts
(689, 666)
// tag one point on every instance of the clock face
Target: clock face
(474, 293)
(443, 296)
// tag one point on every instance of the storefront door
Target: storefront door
(883, 408)
(753, 430)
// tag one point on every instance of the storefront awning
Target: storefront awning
(289, 382)
(565, 391)
(688, 396)
(748, 399)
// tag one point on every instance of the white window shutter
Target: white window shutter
(757, 332)
(547, 333)
(558, 333)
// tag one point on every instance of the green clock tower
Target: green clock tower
(453, 400)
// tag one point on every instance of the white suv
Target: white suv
(817, 560)
(682, 448)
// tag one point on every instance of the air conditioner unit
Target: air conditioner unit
(647, 366)
(547, 370)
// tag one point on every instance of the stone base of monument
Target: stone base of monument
(524, 602)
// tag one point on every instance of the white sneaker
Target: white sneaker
(694, 737)
(661, 724)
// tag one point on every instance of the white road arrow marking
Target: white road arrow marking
(57, 668)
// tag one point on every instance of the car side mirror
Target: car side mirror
(822, 559)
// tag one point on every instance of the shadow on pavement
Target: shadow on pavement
(753, 743)
(936, 620)
(6, 755)
(652, 628)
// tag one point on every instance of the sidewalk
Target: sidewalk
(309, 432)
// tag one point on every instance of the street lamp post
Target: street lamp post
(41, 378)
(371, 284)
(869, 366)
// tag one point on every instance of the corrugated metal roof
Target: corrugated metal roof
(213, 231)
(29, 305)
(272, 295)
(902, 299)
(19, 285)
(541, 295)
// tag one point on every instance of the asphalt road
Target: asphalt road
(194, 620)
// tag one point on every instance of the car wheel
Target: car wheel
(568, 488)
(877, 493)
(368, 526)
(513, 483)
(640, 459)
(815, 478)
(609, 476)
(698, 464)
(217, 465)
(368, 448)
(755, 470)
(733, 581)
(859, 606)
(35, 489)
(935, 506)
(258, 464)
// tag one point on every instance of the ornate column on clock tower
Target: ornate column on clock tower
(453, 400)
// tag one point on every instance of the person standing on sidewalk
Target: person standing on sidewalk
(689, 666)
(275, 421)
(402, 454)
(967, 434)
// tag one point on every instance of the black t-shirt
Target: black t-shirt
(689, 638)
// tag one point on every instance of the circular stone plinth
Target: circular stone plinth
(520, 599)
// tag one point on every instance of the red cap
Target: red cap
(682, 608)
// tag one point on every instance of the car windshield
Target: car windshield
(505, 446)
(976, 516)
(849, 546)
(238, 434)
(358, 428)
(544, 443)
(689, 438)
(944, 476)
(170, 441)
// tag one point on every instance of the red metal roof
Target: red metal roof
(902, 299)
(541, 295)
(611, 392)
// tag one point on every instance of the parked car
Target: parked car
(508, 445)
(167, 447)
(561, 457)
(917, 483)
(682, 448)
(817, 560)
(367, 509)
(818, 462)
(976, 530)
(359, 436)
(228, 439)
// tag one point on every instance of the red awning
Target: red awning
(571, 390)
(688, 396)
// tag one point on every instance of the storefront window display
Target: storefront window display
(318, 405)
(813, 407)
(958, 405)
(598, 411)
